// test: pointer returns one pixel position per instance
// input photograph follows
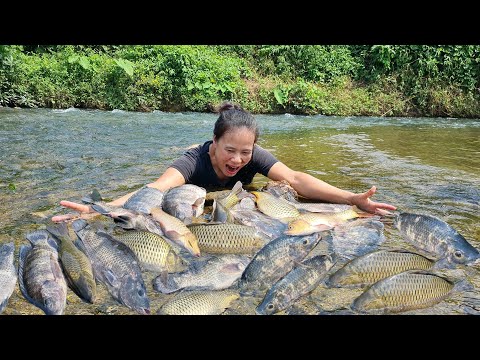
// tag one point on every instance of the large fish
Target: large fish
(412, 289)
(377, 265)
(228, 238)
(185, 202)
(281, 189)
(303, 279)
(275, 260)
(207, 302)
(40, 276)
(274, 207)
(8, 273)
(115, 265)
(153, 251)
(270, 227)
(216, 273)
(144, 199)
(76, 265)
(176, 230)
(436, 237)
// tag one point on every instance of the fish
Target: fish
(153, 251)
(274, 207)
(227, 238)
(40, 275)
(321, 207)
(184, 202)
(411, 289)
(271, 228)
(222, 205)
(281, 189)
(310, 222)
(115, 265)
(176, 230)
(356, 238)
(130, 219)
(144, 199)
(274, 261)
(436, 237)
(216, 273)
(8, 273)
(206, 302)
(301, 280)
(368, 269)
(76, 265)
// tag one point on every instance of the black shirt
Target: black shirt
(196, 167)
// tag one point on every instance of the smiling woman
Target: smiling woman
(233, 155)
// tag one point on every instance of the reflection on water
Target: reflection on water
(427, 166)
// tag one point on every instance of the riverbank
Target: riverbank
(342, 80)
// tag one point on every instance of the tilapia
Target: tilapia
(115, 265)
(184, 202)
(356, 238)
(274, 207)
(153, 251)
(40, 276)
(272, 228)
(275, 260)
(303, 279)
(377, 265)
(227, 238)
(412, 289)
(216, 273)
(144, 199)
(8, 273)
(208, 302)
(176, 230)
(76, 265)
(436, 237)
(281, 189)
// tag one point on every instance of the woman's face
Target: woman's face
(232, 151)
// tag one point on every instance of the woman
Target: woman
(233, 155)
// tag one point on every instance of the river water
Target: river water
(424, 165)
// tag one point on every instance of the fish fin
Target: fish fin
(93, 197)
(161, 284)
(197, 204)
(110, 277)
(37, 237)
(79, 224)
(59, 230)
(55, 267)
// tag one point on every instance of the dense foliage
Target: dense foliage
(381, 80)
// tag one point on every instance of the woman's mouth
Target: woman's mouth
(232, 170)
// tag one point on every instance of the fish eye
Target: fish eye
(305, 242)
(141, 292)
(270, 306)
(458, 254)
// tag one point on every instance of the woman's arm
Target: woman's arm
(170, 178)
(312, 188)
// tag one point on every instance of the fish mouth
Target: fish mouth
(146, 311)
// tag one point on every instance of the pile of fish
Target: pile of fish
(263, 249)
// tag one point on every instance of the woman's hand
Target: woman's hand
(85, 211)
(363, 202)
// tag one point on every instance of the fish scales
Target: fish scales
(227, 238)
(275, 260)
(144, 200)
(274, 207)
(300, 281)
(368, 269)
(8, 273)
(199, 302)
(152, 250)
(405, 291)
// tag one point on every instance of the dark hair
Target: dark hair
(233, 116)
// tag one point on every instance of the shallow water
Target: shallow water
(429, 166)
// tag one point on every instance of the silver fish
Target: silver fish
(40, 276)
(270, 227)
(216, 273)
(303, 279)
(436, 237)
(184, 202)
(116, 266)
(144, 199)
(8, 273)
(275, 260)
